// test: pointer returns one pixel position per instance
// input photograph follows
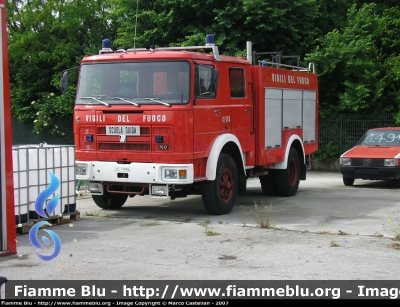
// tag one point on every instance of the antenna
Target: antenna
(134, 40)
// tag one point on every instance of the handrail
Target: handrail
(213, 48)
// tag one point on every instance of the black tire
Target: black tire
(219, 195)
(268, 184)
(242, 185)
(287, 180)
(110, 200)
(348, 181)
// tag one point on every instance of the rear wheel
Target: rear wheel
(219, 195)
(110, 200)
(268, 184)
(287, 180)
(242, 185)
(348, 181)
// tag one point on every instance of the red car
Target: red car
(375, 157)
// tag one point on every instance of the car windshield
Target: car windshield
(134, 83)
(380, 138)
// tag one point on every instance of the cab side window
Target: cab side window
(203, 82)
(237, 82)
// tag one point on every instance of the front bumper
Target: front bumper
(130, 173)
(370, 173)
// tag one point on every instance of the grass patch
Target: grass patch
(335, 244)
(395, 245)
(324, 232)
(96, 213)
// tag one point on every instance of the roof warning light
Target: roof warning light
(210, 40)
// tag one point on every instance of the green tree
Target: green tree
(45, 37)
(276, 25)
(357, 64)
(332, 15)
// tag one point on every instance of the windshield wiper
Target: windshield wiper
(126, 100)
(158, 100)
(94, 98)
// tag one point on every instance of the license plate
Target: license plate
(123, 130)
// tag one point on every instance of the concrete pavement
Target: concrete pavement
(326, 232)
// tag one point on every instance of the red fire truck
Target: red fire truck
(178, 121)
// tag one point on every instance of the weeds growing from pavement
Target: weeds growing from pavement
(378, 235)
(395, 245)
(392, 226)
(335, 244)
(209, 232)
(95, 213)
(263, 216)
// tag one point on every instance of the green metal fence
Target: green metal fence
(22, 133)
(337, 133)
(341, 132)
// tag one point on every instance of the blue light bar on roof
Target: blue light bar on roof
(210, 40)
(106, 43)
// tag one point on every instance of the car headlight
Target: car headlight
(345, 161)
(390, 162)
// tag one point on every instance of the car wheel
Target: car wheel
(348, 181)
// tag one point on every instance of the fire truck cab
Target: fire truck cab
(175, 121)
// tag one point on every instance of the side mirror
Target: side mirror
(64, 81)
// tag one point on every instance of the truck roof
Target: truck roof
(162, 55)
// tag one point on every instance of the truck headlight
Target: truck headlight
(390, 162)
(81, 170)
(345, 161)
(173, 173)
(95, 187)
(159, 190)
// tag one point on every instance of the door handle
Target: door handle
(218, 112)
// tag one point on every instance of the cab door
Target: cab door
(239, 98)
(207, 112)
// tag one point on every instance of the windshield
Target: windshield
(134, 83)
(381, 137)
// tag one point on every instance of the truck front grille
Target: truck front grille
(140, 143)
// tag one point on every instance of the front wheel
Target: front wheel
(348, 181)
(110, 200)
(287, 180)
(219, 195)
